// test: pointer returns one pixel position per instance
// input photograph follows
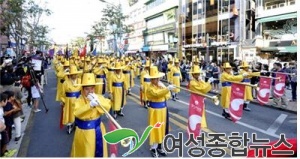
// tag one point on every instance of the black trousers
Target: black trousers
(29, 97)
(294, 90)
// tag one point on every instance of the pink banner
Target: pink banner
(113, 148)
(263, 93)
(236, 101)
(196, 109)
(279, 85)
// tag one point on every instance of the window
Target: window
(152, 23)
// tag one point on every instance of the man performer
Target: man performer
(175, 78)
(226, 79)
(127, 71)
(61, 77)
(196, 84)
(100, 73)
(145, 82)
(157, 95)
(88, 139)
(248, 90)
(69, 94)
(117, 90)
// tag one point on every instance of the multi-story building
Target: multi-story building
(135, 19)
(160, 35)
(276, 25)
(3, 38)
(216, 30)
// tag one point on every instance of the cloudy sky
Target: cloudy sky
(72, 18)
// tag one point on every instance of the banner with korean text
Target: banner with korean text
(279, 84)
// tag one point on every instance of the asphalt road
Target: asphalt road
(45, 139)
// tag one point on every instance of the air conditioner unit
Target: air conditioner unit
(291, 2)
(281, 4)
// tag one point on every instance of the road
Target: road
(43, 137)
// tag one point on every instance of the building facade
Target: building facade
(160, 35)
(216, 30)
(135, 14)
(276, 25)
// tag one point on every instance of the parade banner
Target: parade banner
(113, 148)
(236, 101)
(51, 52)
(83, 52)
(196, 110)
(279, 84)
(263, 93)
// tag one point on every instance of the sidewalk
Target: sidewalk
(291, 107)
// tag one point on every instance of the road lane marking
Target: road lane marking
(276, 124)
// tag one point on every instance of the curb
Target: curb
(253, 102)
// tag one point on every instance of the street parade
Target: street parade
(153, 90)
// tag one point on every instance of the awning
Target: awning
(130, 52)
(286, 49)
(278, 17)
(145, 48)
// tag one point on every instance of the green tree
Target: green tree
(78, 42)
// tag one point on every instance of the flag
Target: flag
(279, 84)
(196, 110)
(113, 148)
(264, 90)
(94, 52)
(236, 101)
(83, 52)
(51, 52)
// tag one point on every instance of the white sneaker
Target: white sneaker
(37, 110)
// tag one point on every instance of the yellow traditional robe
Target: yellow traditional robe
(226, 87)
(109, 74)
(117, 89)
(248, 89)
(170, 66)
(175, 78)
(128, 77)
(69, 94)
(85, 139)
(138, 68)
(60, 76)
(87, 67)
(199, 86)
(145, 82)
(100, 75)
(157, 112)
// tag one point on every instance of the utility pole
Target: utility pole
(180, 19)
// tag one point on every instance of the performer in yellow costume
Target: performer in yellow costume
(196, 84)
(61, 77)
(157, 94)
(117, 90)
(138, 67)
(127, 71)
(110, 72)
(175, 78)
(87, 66)
(226, 79)
(170, 66)
(88, 139)
(248, 90)
(145, 82)
(69, 94)
(100, 73)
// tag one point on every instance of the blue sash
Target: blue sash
(117, 84)
(176, 74)
(147, 80)
(225, 84)
(158, 105)
(93, 124)
(246, 80)
(101, 76)
(72, 94)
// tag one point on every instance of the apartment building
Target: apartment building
(3, 38)
(276, 25)
(160, 35)
(135, 14)
(216, 30)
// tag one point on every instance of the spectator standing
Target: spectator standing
(293, 79)
(216, 74)
(282, 101)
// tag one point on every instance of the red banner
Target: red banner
(279, 85)
(83, 52)
(263, 93)
(236, 101)
(113, 148)
(196, 109)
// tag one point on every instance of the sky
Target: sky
(72, 18)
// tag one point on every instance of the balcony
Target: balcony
(276, 8)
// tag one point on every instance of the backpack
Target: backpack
(26, 81)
